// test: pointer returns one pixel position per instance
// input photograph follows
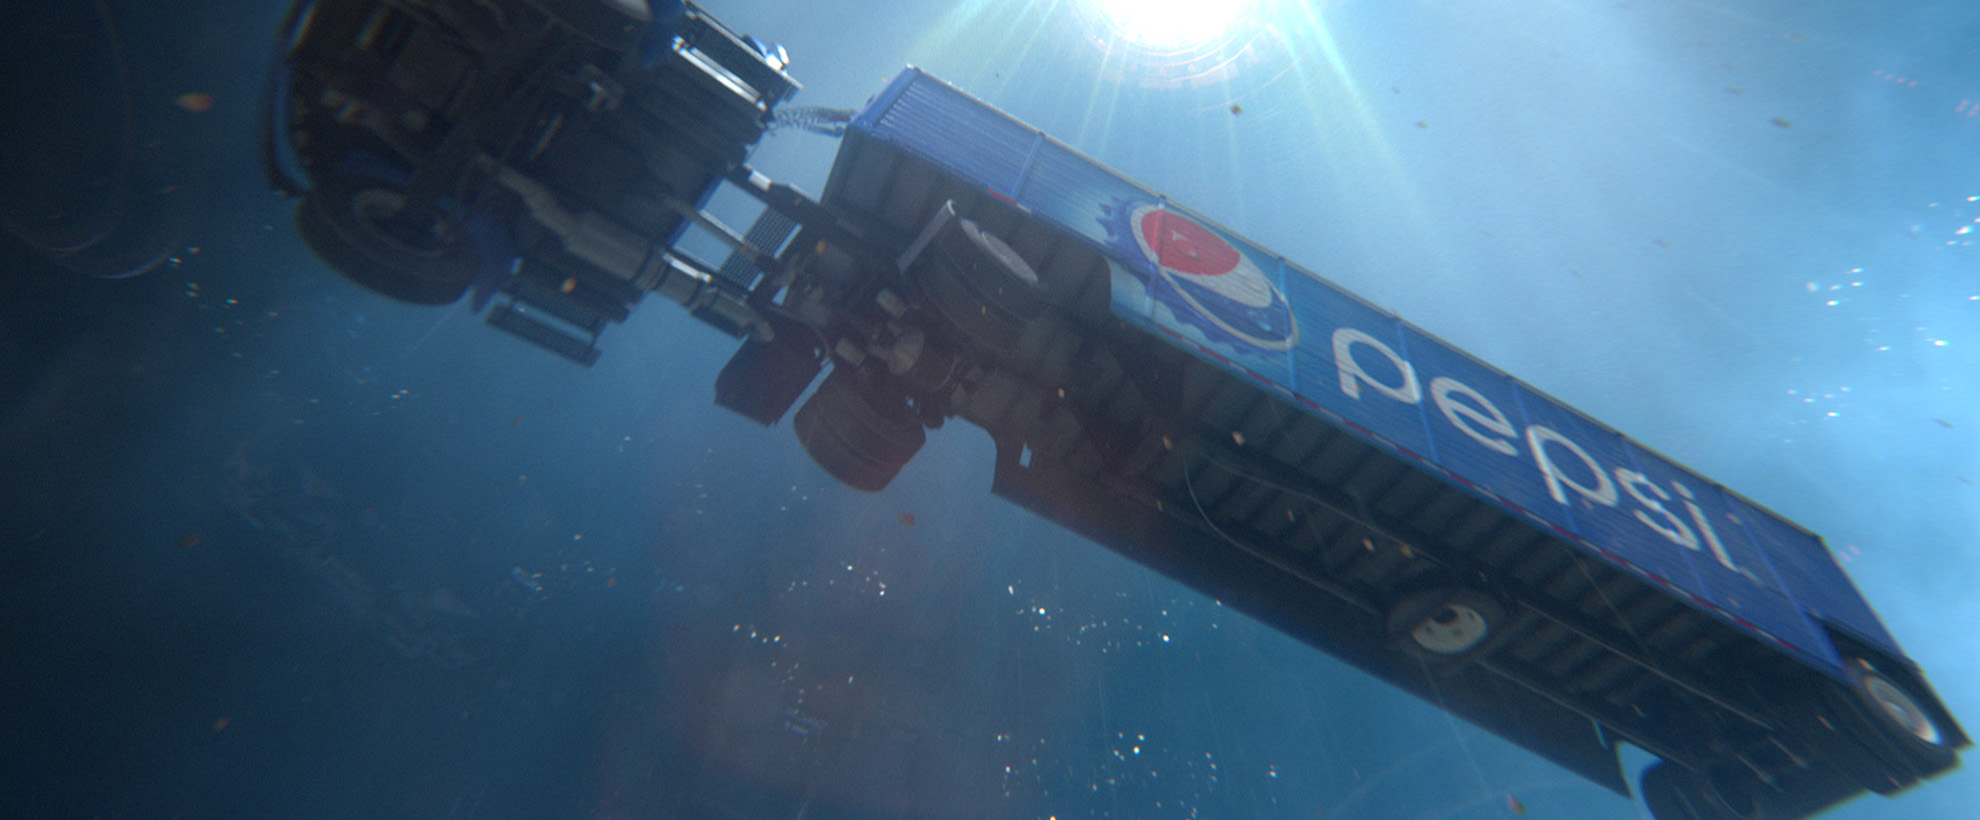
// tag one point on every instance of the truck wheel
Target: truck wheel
(348, 220)
(1444, 624)
(1673, 792)
(862, 436)
(980, 286)
(614, 24)
(1885, 715)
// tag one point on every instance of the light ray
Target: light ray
(1169, 24)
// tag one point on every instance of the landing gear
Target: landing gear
(862, 434)
(765, 377)
(362, 227)
(1444, 624)
(1724, 792)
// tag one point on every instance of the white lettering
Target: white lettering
(1463, 416)
(1476, 416)
(1711, 536)
(1538, 437)
(1677, 532)
(1352, 375)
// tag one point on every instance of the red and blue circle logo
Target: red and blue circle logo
(1204, 279)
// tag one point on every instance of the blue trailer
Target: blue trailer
(1232, 419)
(1151, 379)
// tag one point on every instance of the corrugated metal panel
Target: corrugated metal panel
(1255, 315)
(979, 144)
(1807, 568)
(767, 235)
(1060, 181)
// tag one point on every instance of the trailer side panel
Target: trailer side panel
(1185, 279)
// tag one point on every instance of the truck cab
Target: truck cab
(542, 154)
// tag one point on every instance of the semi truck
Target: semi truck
(1151, 379)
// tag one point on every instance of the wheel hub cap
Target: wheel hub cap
(1901, 708)
(1450, 630)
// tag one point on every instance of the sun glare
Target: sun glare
(1170, 23)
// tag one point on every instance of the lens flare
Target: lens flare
(1171, 23)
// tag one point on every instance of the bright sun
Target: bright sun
(1170, 23)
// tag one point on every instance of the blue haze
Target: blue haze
(276, 547)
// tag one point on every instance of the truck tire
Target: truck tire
(861, 435)
(1883, 712)
(346, 221)
(980, 287)
(1444, 624)
(1673, 792)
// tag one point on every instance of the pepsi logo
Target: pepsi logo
(1210, 283)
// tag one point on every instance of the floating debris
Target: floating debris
(907, 519)
(1781, 122)
(1943, 423)
(197, 102)
(527, 580)
(190, 541)
(1513, 805)
(1237, 109)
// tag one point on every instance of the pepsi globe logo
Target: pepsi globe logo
(1209, 283)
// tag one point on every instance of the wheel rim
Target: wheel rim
(351, 222)
(981, 287)
(1452, 629)
(1901, 709)
(1013, 264)
(374, 209)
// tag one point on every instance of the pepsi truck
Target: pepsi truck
(1152, 380)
